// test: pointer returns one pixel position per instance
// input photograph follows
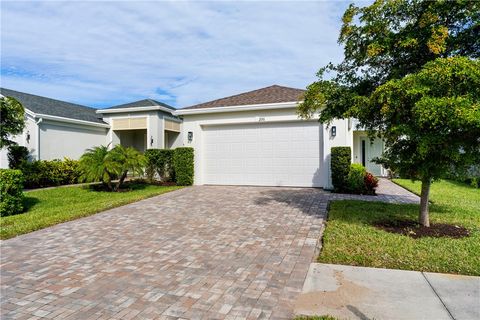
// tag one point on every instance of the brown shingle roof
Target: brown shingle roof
(272, 94)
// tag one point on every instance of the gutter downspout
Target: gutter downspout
(38, 136)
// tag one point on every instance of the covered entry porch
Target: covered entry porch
(144, 133)
(365, 150)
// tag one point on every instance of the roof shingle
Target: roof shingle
(142, 103)
(52, 107)
(272, 94)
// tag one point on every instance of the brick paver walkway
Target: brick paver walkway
(198, 253)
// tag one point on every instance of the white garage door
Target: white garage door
(266, 154)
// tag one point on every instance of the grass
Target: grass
(52, 206)
(350, 238)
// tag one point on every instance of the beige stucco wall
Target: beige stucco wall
(154, 127)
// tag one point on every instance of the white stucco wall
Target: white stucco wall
(343, 138)
(21, 139)
(379, 146)
(59, 139)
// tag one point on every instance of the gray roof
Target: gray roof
(271, 94)
(52, 107)
(142, 103)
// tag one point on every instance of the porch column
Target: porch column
(155, 135)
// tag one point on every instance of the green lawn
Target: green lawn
(351, 239)
(52, 206)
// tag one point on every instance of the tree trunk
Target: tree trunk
(120, 181)
(423, 218)
(109, 185)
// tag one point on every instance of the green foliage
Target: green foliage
(47, 207)
(129, 160)
(48, 173)
(160, 161)
(388, 40)
(392, 40)
(96, 165)
(12, 120)
(17, 155)
(11, 192)
(429, 120)
(468, 174)
(350, 237)
(356, 178)
(341, 158)
(101, 164)
(183, 164)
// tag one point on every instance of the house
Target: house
(55, 129)
(257, 138)
(252, 138)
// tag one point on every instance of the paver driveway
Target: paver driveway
(200, 252)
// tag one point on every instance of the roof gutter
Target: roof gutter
(67, 120)
(136, 109)
(250, 107)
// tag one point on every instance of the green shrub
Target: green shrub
(45, 173)
(356, 178)
(183, 165)
(341, 159)
(11, 192)
(359, 181)
(160, 161)
(16, 156)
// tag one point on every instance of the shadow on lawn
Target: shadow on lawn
(126, 187)
(29, 202)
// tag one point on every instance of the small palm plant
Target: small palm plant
(95, 165)
(101, 164)
(129, 160)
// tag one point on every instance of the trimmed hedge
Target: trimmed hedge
(11, 192)
(44, 173)
(160, 161)
(183, 165)
(341, 158)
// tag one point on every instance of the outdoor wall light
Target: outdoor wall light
(28, 136)
(151, 140)
(334, 131)
(190, 136)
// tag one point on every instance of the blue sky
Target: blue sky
(182, 53)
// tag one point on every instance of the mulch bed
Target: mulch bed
(414, 230)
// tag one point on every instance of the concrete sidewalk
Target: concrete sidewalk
(349, 292)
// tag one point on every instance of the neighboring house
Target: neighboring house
(253, 138)
(55, 129)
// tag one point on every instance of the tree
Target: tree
(429, 120)
(17, 156)
(128, 159)
(96, 165)
(101, 164)
(386, 41)
(12, 120)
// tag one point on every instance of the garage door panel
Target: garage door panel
(280, 154)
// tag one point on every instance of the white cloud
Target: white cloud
(102, 53)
